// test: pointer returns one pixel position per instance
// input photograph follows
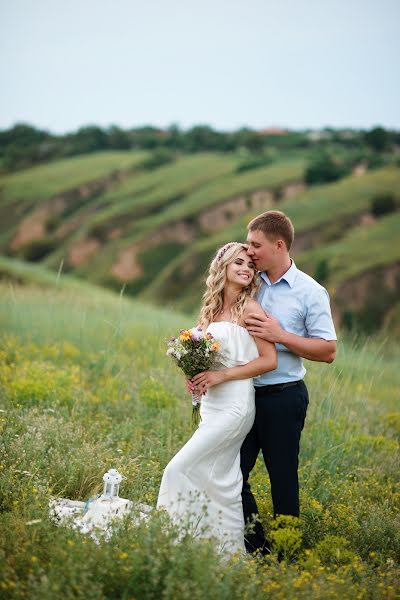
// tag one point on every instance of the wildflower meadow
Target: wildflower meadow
(85, 386)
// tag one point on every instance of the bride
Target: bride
(201, 486)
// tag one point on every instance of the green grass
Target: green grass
(324, 204)
(41, 182)
(40, 280)
(149, 191)
(144, 203)
(85, 385)
(224, 188)
(24, 191)
(360, 250)
(350, 196)
(320, 208)
(187, 207)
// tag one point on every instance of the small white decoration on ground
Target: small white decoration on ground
(96, 515)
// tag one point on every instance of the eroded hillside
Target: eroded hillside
(110, 219)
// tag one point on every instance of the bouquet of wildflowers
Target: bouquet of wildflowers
(193, 352)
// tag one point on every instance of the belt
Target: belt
(276, 387)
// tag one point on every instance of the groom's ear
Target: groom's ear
(281, 245)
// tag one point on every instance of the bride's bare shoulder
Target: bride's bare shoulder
(252, 306)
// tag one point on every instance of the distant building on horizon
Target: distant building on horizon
(273, 131)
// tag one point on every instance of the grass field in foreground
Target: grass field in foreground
(85, 385)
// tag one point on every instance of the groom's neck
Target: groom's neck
(275, 272)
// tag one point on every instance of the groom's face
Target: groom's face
(261, 250)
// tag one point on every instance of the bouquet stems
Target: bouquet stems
(196, 417)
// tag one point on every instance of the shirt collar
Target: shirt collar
(289, 276)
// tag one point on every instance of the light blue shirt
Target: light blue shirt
(301, 305)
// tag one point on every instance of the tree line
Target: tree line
(23, 145)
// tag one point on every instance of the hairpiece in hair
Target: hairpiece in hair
(226, 247)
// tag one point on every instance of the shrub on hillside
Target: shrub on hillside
(100, 231)
(321, 273)
(254, 162)
(377, 161)
(378, 139)
(324, 169)
(383, 204)
(160, 157)
(36, 249)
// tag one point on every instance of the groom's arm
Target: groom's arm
(268, 328)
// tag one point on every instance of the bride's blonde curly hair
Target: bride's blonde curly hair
(213, 298)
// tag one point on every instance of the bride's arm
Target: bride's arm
(266, 361)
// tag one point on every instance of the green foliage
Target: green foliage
(159, 157)
(286, 536)
(321, 272)
(383, 204)
(325, 169)
(202, 137)
(86, 139)
(334, 550)
(23, 145)
(254, 163)
(118, 139)
(377, 161)
(377, 138)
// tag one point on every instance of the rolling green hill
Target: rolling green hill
(42, 182)
(110, 219)
(337, 240)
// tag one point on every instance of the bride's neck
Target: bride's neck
(230, 296)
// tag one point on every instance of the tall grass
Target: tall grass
(85, 386)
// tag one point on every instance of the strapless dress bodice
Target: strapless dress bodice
(237, 345)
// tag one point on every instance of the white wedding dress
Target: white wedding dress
(201, 486)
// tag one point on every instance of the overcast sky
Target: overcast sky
(226, 63)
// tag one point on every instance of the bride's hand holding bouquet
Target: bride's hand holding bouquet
(195, 352)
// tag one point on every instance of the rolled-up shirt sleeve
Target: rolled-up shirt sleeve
(319, 322)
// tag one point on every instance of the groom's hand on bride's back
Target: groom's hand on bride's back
(264, 326)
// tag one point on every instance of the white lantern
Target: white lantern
(111, 479)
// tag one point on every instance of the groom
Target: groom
(298, 320)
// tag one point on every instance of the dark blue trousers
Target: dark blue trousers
(280, 416)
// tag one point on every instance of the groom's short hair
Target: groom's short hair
(275, 225)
